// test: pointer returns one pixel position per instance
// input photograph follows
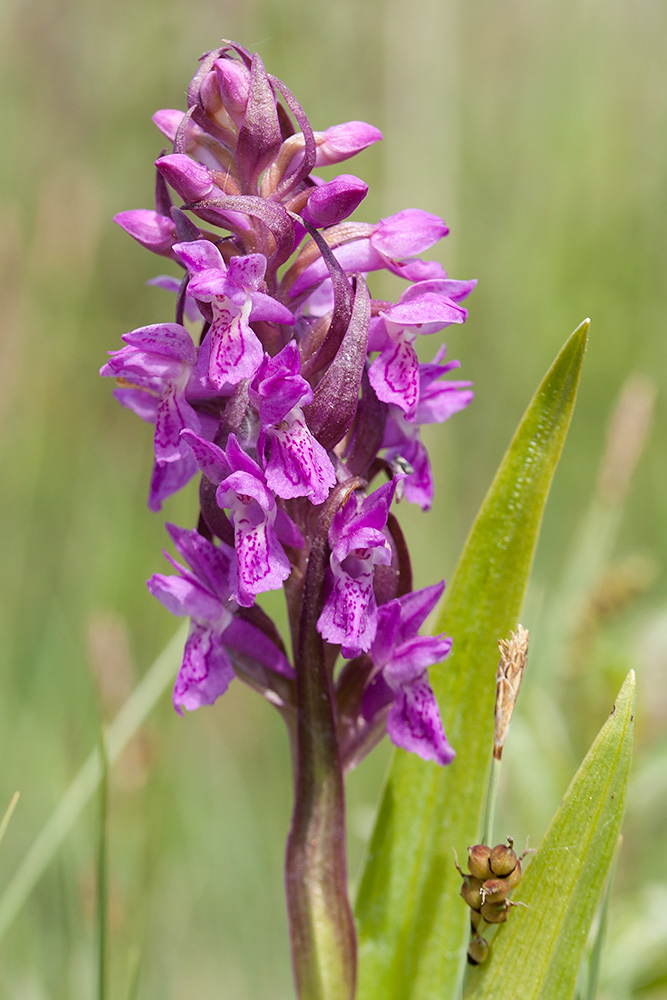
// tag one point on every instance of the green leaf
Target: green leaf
(412, 928)
(564, 883)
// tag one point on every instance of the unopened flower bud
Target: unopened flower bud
(335, 201)
(190, 179)
(496, 912)
(503, 860)
(471, 891)
(478, 861)
(478, 949)
(234, 83)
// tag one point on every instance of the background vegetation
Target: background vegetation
(539, 132)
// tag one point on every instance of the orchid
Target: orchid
(299, 400)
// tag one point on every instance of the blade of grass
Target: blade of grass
(84, 785)
(562, 887)
(135, 970)
(412, 928)
(8, 815)
(102, 874)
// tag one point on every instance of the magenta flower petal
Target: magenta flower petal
(206, 671)
(199, 255)
(408, 233)
(358, 543)
(395, 373)
(414, 723)
(155, 232)
(402, 659)
(298, 465)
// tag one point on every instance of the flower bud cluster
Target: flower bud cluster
(493, 872)
(288, 388)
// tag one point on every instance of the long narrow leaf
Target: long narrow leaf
(563, 885)
(411, 927)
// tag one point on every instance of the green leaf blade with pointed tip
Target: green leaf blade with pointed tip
(564, 883)
(412, 927)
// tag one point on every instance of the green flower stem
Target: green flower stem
(321, 924)
(491, 799)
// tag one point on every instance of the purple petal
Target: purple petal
(183, 597)
(349, 616)
(209, 457)
(245, 638)
(171, 340)
(427, 308)
(200, 255)
(169, 478)
(447, 287)
(408, 233)
(411, 658)
(139, 401)
(278, 385)
(174, 414)
(414, 723)
(206, 671)
(248, 271)
(264, 307)
(287, 531)
(168, 120)
(236, 352)
(395, 374)
(155, 232)
(210, 563)
(298, 465)
(262, 563)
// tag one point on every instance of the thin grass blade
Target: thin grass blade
(4, 823)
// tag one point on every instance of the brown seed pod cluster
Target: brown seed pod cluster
(493, 872)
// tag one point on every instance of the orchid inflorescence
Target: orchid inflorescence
(298, 393)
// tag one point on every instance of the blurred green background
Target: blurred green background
(539, 132)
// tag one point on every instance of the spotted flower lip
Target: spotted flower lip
(290, 390)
